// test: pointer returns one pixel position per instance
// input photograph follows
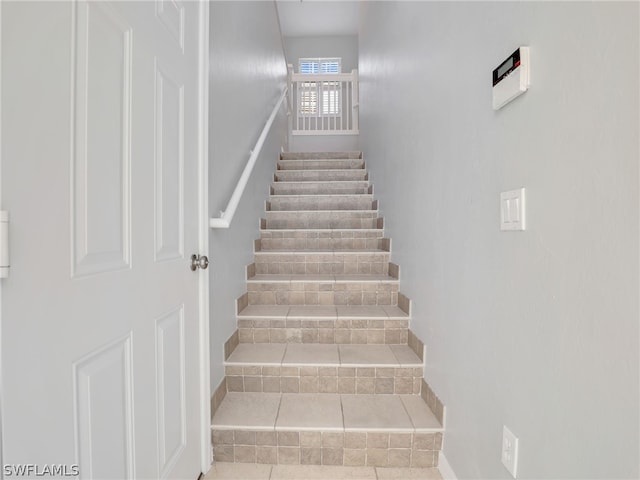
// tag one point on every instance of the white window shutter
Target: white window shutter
(320, 98)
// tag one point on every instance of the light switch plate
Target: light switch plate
(512, 210)
(510, 451)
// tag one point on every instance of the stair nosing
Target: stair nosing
(321, 252)
(309, 279)
(324, 211)
(319, 159)
(334, 316)
(324, 195)
(319, 181)
(279, 350)
(321, 170)
(322, 229)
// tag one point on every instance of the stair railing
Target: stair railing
(226, 216)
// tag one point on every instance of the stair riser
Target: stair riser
(322, 264)
(320, 243)
(328, 240)
(330, 223)
(318, 155)
(313, 293)
(362, 202)
(366, 219)
(344, 380)
(341, 332)
(321, 188)
(320, 176)
(373, 449)
(328, 164)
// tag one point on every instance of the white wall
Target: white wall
(247, 74)
(537, 330)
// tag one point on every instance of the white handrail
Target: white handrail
(227, 216)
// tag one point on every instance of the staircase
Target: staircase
(323, 369)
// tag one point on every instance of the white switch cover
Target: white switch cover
(510, 451)
(512, 210)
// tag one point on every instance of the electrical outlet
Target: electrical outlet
(510, 451)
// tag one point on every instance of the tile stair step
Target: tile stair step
(294, 412)
(302, 261)
(322, 164)
(330, 355)
(319, 155)
(391, 332)
(322, 279)
(346, 253)
(321, 175)
(374, 232)
(338, 239)
(360, 325)
(321, 202)
(330, 187)
(324, 312)
(318, 255)
(311, 266)
(336, 429)
(327, 219)
(320, 251)
(320, 368)
(322, 290)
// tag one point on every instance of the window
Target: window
(315, 66)
(319, 98)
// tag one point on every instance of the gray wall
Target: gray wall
(247, 74)
(537, 330)
(345, 46)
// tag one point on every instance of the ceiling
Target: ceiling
(318, 17)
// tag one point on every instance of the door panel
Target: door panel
(169, 165)
(102, 95)
(170, 372)
(104, 411)
(100, 337)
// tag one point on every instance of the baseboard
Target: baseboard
(445, 469)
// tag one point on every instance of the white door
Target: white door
(99, 142)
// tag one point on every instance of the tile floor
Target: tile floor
(247, 471)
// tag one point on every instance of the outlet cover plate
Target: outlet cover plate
(510, 451)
